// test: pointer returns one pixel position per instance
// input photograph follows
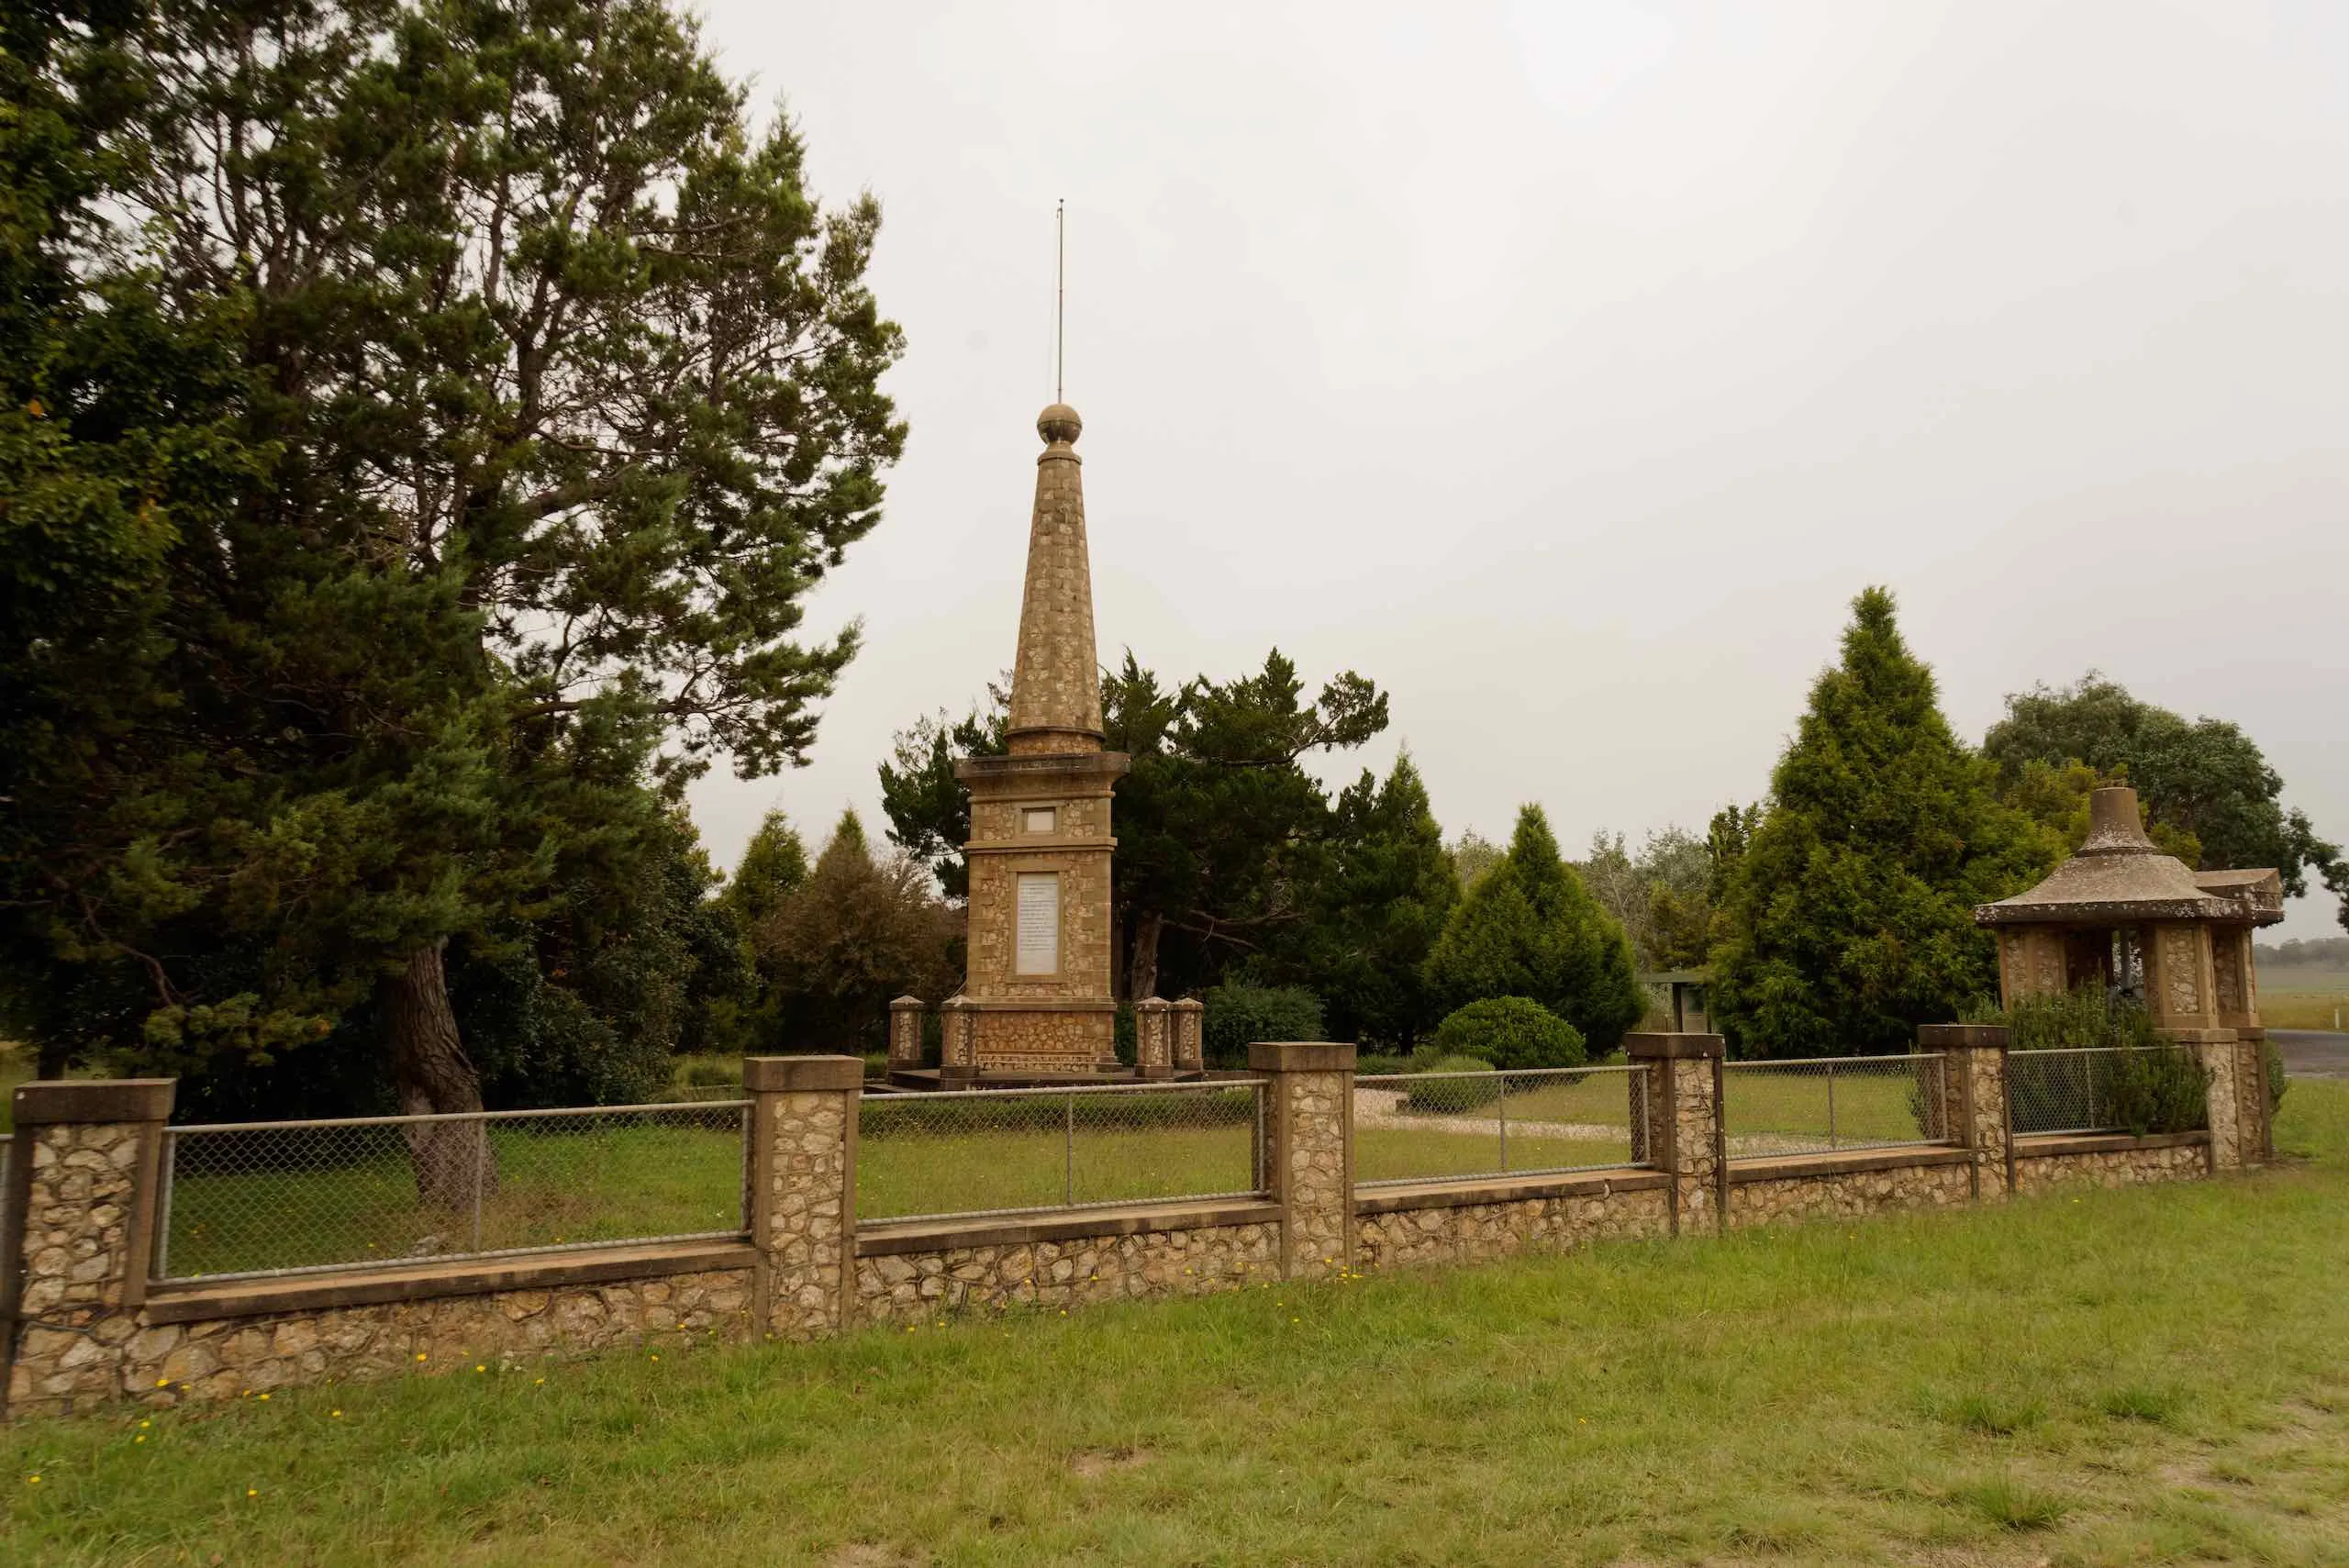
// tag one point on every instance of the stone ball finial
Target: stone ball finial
(1059, 423)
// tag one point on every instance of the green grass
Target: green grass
(1764, 1106)
(2147, 1375)
(2303, 998)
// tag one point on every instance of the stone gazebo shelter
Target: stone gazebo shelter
(2123, 916)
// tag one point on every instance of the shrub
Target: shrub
(1238, 1015)
(2149, 1087)
(1511, 1033)
(2276, 1084)
(1446, 1095)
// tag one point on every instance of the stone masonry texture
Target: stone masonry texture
(911, 1286)
(79, 1201)
(811, 1172)
(2107, 1168)
(1475, 1233)
(1848, 1195)
(227, 1358)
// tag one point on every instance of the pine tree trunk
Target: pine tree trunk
(454, 1164)
(1142, 976)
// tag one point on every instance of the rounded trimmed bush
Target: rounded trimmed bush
(1238, 1015)
(1512, 1033)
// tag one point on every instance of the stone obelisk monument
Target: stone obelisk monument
(1036, 996)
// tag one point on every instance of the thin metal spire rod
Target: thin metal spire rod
(1060, 300)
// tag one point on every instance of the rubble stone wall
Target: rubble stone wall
(227, 1358)
(909, 1286)
(2108, 1167)
(1847, 1194)
(1480, 1232)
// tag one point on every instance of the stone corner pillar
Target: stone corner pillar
(77, 1235)
(1153, 1057)
(1683, 1138)
(958, 1045)
(1307, 1160)
(802, 1191)
(2217, 1050)
(1190, 1027)
(1974, 1112)
(905, 1032)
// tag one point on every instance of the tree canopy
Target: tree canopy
(2208, 791)
(1847, 919)
(437, 415)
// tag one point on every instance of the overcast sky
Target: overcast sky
(1565, 369)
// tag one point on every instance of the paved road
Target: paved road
(2312, 1053)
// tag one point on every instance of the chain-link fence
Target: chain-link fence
(1831, 1103)
(1421, 1126)
(282, 1198)
(1010, 1151)
(2106, 1089)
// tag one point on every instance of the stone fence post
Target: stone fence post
(1190, 1016)
(1309, 1158)
(802, 1191)
(958, 1045)
(1152, 1059)
(2216, 1050)
(905, 1033)
(77, 1234)
(1684, 1137)
(1975, 1113)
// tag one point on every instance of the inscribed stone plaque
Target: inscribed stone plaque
(1040, 922)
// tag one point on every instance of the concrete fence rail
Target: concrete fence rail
(809, 1208)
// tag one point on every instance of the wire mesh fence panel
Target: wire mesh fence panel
(2062, 1090)
(1420, 1127)
(2106, 1089)
(269, 1197)
(1006, 1150)
(1844, 1102)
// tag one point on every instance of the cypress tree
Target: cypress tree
(1529, 928)
(1381, 909)
(1848, 920)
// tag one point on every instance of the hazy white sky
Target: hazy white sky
(1565, 368)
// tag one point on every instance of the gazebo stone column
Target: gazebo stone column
(1684, 1135)
(77, 1233)
(2216, 1050)
(905, 1032)
(1190, 1025)
(1152, 1058)
(1975, 1110)
(1309, 1151)
(802, 1191)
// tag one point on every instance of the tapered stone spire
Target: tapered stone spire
(1056, 685)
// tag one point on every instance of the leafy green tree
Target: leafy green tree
(1472, 855)
(550, 394)
(1377, 912)
(859, 932)
(773, 865)
(1529, 928)
(1848, 919)
(1513, 1033)
(1658, 897)
(2204, 785)
(929, 809)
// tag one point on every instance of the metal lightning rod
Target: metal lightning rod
(1059, 299)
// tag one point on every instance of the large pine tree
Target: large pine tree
(1380, 910)
(1848, 921)
(1529, 927)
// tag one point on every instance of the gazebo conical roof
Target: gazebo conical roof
(2116, 878)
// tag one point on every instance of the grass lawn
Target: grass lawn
(2149, 1375)
(2299, 999)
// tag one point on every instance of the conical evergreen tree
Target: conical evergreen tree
(1529, 928)
(1381, 909)
(1849, 921)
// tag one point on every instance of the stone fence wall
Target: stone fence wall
(82, 1324)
